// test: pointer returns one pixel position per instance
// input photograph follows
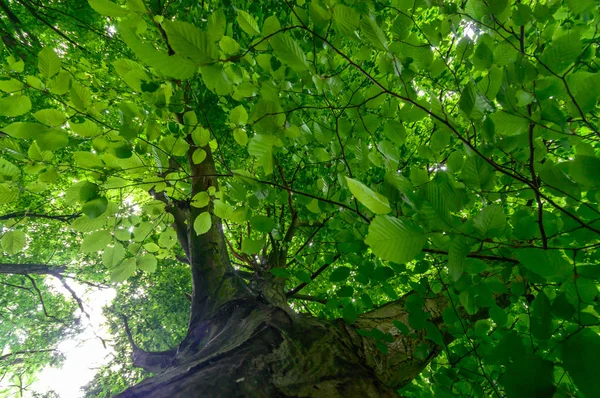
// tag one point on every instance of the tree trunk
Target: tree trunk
(252, 348)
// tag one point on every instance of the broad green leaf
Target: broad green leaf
(80, 96)
(240, 136)
(95, 208)
(579, 354)
(373, 33)
(261, 147)
(48, 63)
(550, 264)
(202, 223)
(247, 22)
(198, 156)
(262, 223)
(271, 26)
(541, 317)
(289, 52)
(24, 130)
(14, 105)
(372, 200)
(200, 200)
(96, 241)
(189, 41)
(10, 85)
(60, 84)
(8, 194)
(457, 257)
(216, 25)
(584, 170)
(50, 117)
(490, 221)
(238, 115)
(339, 274)
(13, 241)
(108, 8)
(173, 66)
(395, 239)
(562, 51)
(113, 255)
(216, 79)
(346, 19)
(147, 263)
(252, 246)
(508, 125)
(123, 271)
(528, 376)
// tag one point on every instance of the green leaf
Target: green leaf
(373, 33)
(48, 63)
(261, 146)
(50, 117)
(340, 274)
(507, 125)
(280, 272)
(147, 263)
(541, 317)
(271, 26)
(216, 79)
(585, 170)
(202, 223)
(199, 156)
(174, 66)
(550, 264)
(240, 136)
(8, 194)
(13, 241)
(238, 115)
(123, 271)
(95, 208)
(252, 246)
(579, 355)
(108, 8)
(349, 314)
(289, 52)
(200, 200)
(14, 105)
(247, 23)
(262, 223)
(490, 221)
(562, 51)
(529, 376)
(346, 19)
(457, 256)
(394, 239)
(216, 25)
(113, 255)
(96, 241)
(80, 96)
(372, 200)
(189, 41)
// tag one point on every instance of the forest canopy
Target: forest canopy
(338, 197)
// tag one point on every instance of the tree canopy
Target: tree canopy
(336, 158)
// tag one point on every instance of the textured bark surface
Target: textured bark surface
(253, 349)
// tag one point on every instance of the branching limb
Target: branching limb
(149, 361)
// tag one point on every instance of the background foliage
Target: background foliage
(416, 145)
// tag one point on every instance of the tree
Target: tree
(371, 197)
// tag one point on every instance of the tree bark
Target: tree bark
(251, 348)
